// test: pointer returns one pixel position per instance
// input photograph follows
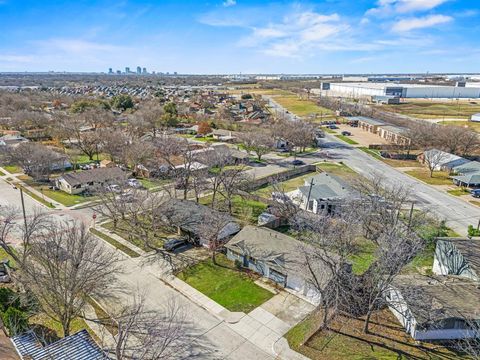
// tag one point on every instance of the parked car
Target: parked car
(134, 183)
(297, 162)
(475, 193)
(346, 133)
(174, 244)
(113, 188)
(333, 127)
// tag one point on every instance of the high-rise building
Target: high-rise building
(127, 70)
(144, 71)
(139, 70)
(110, 70)
(119, 72)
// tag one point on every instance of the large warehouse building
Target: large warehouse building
(359, 90)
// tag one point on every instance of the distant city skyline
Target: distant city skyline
(242, 36)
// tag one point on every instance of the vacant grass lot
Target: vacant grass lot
(436, 110)
(299, 106)
(423, 174)
(344, 339)
(470, 124)
(223, 283)
(391, 162)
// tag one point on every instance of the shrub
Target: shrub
(8, 298)
(473, 231)
(15, 321)
(238, 264)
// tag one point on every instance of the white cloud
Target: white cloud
(296, 34)
(228, 3)
(391, 7)
(413, 23)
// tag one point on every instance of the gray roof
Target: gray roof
(469, 178)
(94, 175)
(470, 249)
(471, 166)
(279, 251)
(395, 129)
(189, 216)
(79, 346)
(326, 186)
(437, 298)
(367, 120)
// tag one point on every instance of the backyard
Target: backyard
(344, 339)
(246, 210)
(223, 283)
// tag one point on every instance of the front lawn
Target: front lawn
(13, 169)
(63, 197)
(459, 191)
(231, 288)
(347, 139)
(344, 339)
(152, 183)
(438, 178)
(115, 243)
(339, 169)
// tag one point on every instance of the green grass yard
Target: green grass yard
(245, 210)
(300, 107)
(423, 174)
(13, 169)
(347, 139)
(470, 124)
(459, 191)
(231, 288)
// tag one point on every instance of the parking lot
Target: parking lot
(364, 138)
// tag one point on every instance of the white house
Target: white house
(78, 182)
(436, 308)
(276, 256)
(322, 193)
(441, 160)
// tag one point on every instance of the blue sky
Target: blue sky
(233, 36)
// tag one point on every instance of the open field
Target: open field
(470, 124)
(258, 91)
(299, 106)
(436, 110)
(226, 285)
(438, 178)
(344, 339)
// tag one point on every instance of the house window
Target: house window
(252, 260)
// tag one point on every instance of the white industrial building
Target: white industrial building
(361, 90)
(475, 117)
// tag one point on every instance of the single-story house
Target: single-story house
(275, 256)
(442, 160)
(366, 123)
(436, 307)
(475, 117)
(188, 216)
(78, 182)
(394, 134)
(79, 346)
(322, 193)
(12, 140)
(457, 256)
(467, 168)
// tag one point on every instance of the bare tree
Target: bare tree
(64, 267)
(434, 159)
(211, 231)
(144, 334)
(258, 142)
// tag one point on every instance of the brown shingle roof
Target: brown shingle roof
(95, 175)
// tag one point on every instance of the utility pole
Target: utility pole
(23, 210)
(309, 193)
